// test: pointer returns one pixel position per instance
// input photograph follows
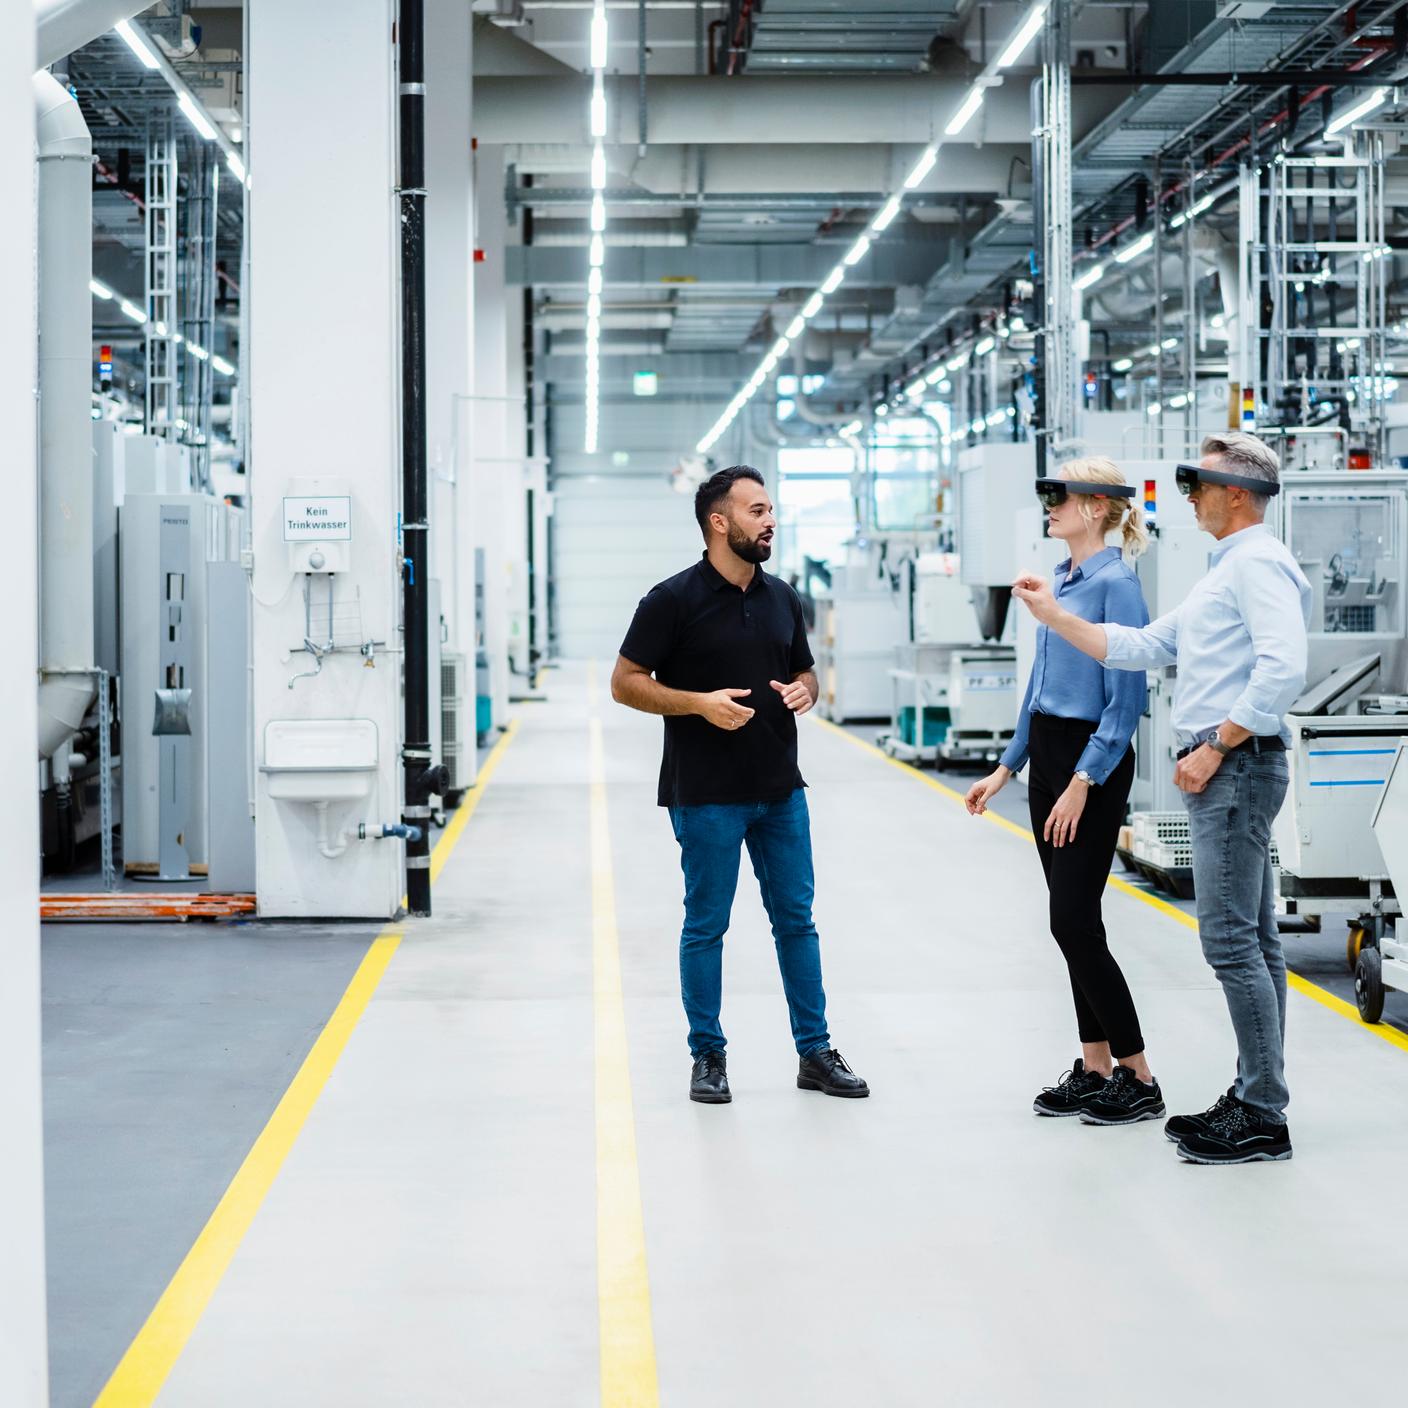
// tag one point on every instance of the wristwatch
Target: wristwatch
(1214, 741)
(1085, 777)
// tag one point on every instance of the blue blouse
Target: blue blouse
(1068, 684)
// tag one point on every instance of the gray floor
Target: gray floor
(1320, 957)
(166, 1049)
(431, 1238)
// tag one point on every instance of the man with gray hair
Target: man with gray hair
(1239, 641)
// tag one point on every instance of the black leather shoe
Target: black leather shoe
(826, 1070)
(708, 1081)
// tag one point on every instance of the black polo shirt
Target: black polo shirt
(698, 632)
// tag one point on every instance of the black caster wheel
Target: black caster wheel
(1354, 945)
(1369, 985)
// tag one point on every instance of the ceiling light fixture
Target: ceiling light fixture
(984, 347)
(1091, 277)
(922, 167)
(137, 44)
(888, 211)
(813, 305)
(857, 251)
(1020, 37)
(964, 115)
(1372, 103)
(132, 311)
(99, 290)
(1140, 246)
(1024, 36)
(596, 252)
(1123, 365)
(195, 116)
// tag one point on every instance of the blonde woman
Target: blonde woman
(1075, 726)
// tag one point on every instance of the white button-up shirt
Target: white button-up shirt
(1238, 639)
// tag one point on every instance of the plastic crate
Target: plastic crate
(1149, 827)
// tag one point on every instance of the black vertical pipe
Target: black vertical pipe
(415, 751)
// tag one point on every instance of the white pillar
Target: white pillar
(449, 256)
(23, 1351)
(498, 418)
(324, 394)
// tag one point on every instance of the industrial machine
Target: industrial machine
(168, 544)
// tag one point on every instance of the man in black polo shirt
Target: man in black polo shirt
(727, 646)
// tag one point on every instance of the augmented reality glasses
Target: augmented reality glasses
(1189, 476)
(1054, 491)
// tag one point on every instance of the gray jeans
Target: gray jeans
(1230, 823)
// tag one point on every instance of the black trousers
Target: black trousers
(1076, 875)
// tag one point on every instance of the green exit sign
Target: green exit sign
(645, 383)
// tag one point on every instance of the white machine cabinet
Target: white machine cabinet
(1382, 961)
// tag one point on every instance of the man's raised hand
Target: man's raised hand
(721, 710)
(796, 695)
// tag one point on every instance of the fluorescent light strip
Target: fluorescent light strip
(195, 116)
(132, 311)
(598, 39)
(888, 211)
(964, 115)
(1090, 277)
(196, 350)
(1374, 101)
(922, 167)
(596, 253)
(1143, 243)
(813, 305)
(1023, 36)
(100, 290)
(236, 168)
(1016, 45)
(137, 44)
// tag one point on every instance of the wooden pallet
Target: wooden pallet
(129, 906)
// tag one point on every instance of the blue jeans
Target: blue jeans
(778, 837)
(1230, 822)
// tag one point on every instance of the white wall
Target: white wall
(324, 397)
(497, 430)
(615, 536)
(449, 253)
(23, 1353)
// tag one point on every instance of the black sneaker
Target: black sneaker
(708, 1081)
(1124, 1100)
(1239, 1135)
(1181, 1126)
(1070, 1095)
(826, 1070)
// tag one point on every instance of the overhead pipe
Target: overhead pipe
(64, 151)
(61, 26)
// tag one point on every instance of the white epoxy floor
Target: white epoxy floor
(432, 1237)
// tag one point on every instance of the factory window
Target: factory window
(904, 465)
(815, 511)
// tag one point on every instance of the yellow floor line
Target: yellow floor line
(469, 803)
(143, 1370)
(628, 1373)
(150, 1358)
(1304, 986)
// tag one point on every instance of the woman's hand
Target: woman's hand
(981, 793)
(1065, 815)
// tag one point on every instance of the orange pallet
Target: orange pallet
(129, 906)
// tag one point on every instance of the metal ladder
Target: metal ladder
(163, 370)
